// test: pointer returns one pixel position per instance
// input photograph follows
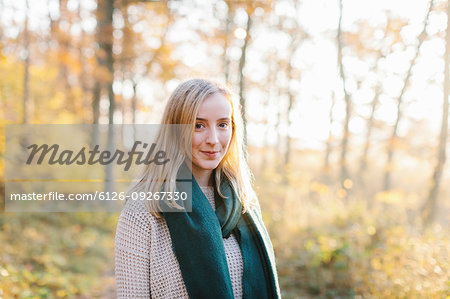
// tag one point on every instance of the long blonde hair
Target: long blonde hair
(182, 109)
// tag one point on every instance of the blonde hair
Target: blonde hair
(182, 109)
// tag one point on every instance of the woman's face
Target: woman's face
(212, 133)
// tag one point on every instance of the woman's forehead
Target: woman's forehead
(215, 106)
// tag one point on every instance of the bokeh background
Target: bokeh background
(346, 110)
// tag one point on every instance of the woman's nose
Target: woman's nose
(211, 138)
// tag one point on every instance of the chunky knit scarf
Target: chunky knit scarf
(198, 245)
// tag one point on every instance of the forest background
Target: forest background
(345, 105)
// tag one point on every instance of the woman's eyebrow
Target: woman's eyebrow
(222, 118)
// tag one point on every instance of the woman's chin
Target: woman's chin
(208, 165)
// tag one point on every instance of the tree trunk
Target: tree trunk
(96, 94)
(241, 74)
(348, 108)
(134, 104)
(430, 206)
(370, 125)
(226, 60)
(287, 153)
(63, 40)
(279, 144)
(83, 74)
(363, 164)
(26, 76)
(105, 75)
(105, 9)
(291, 99)
(329, 146)
(394, 136)
(270, 84)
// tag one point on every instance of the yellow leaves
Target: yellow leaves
(76, 228)
(355, 40)
(341, 193)
(61, 293)
(319, 188)
(57, 101)
(393, 29)
(409, 262)
(159, 7)
(48, 96)
(309, 245)
(102, 74)
(28, 276)
(50, 267)
(44, 74)
(66, 117)
(326, 243)
(376, 263)
(371, 230)
(437, 270)
(33, 234)
(79, 251)
(145, 109)
(3, 272)
(44, 259)
(348, 184)
(366, 39)
(394, 197)
(70, 61)
(329, 244)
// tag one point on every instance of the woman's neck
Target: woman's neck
(202, 176)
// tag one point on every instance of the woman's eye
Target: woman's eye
(224, 125)
(198, 125)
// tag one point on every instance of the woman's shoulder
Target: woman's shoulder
(137, 209)
(254, 206)
(135, 206)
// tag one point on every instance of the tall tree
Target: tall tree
(430, 206)
(226, 39)
(348, 104)
(371, 51)
(370, 126)
(126, 59)
(290, 24)
(329, 143)
(270, 84)
(64, 40)
(26, 76)
(394, 136)
(105, 74)
(249, 10)
(136, 61)
(105, 10)
(249, 7)
(83, 74)
(292, 74)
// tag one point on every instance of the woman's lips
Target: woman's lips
(210, 154)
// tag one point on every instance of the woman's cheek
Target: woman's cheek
(196, 140)
(226, 138)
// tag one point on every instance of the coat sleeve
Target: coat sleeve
(132, 255)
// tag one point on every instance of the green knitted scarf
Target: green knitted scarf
(198, 245)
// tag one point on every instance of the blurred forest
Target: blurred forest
(345, 105)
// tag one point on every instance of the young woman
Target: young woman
(219, 249)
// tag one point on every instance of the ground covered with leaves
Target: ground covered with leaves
(56, 255)
(329, 243)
